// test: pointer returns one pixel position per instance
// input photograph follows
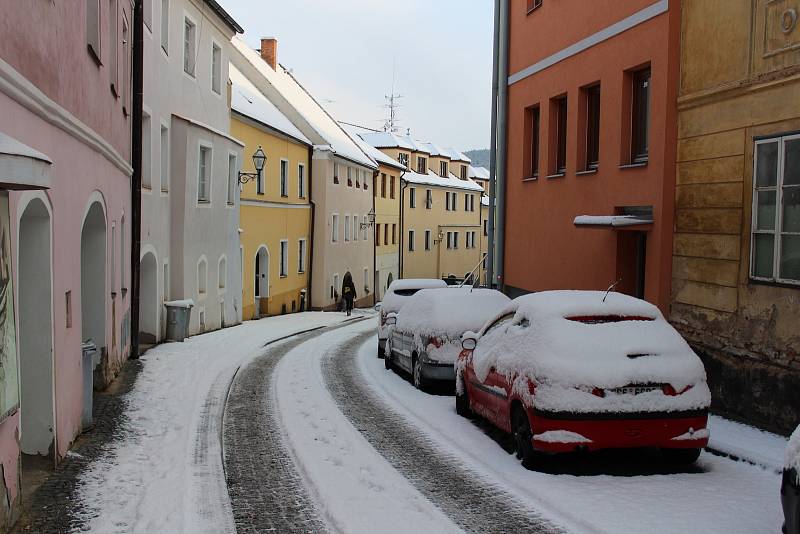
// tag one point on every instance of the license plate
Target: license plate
(634, 390)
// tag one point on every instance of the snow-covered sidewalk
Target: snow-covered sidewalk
(747, 443)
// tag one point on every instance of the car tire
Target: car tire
(416, 375)
(680, 456)
(522, 434)
(462, 403)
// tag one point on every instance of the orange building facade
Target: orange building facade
(591, 131)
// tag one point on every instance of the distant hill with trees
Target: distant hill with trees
(479, 157)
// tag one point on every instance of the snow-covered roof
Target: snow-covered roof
(481, 173)
(389, 140)
(793, 452)
(371, 151)
(568, 340)
(434, 179)
(432, 149)
(249, 101)
(224, 15)
(455, 155)
(449, 311)
(24, 167)
(392, 300)
(316, 117)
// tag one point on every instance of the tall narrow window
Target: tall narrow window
(123, 259)
(93, 28)
(164, 158)
(147, 150)
(640, 116)
(216, 68)
(222, 272)
(165, 25)
(335, 172)
(592, 95)
(443, 169)
(113, 50)
(455, 239)
(394, 234)
(202, 276)
(391, 188)
(284, 178)
(386, 234)
(463, 172)
(378, 235)
(349, 176)
(233, 178)
(559, 134)
(412, 197)
(189, 46)
(531, 142)
(466, 202)
(301, 256)
(301, 181)
(346, 228)
(335, 228)
(428, 199)
(383, 185)
(454, 197)
(204, 174)
(403, 159)
(147, 14)
(422, 165)
(411, 240)
(126, 66)
(355, 227)
(284, 258)
(427, 239)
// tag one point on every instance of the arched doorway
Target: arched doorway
(148, 299)
(261, 282)
(37, 420)
(93, 277)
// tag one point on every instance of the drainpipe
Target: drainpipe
(311, 228)
(402, 210)
(493, 151)
(502, 134)
(375, 278)
(137, 64)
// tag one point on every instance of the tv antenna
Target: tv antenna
(392, 104)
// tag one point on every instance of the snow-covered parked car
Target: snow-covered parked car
(790, 489)
(425, 337)
(396, 295)
(570, 371)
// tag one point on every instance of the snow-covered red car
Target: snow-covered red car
(396, 295)
(425, 338)
(790, 489)
(567, 371)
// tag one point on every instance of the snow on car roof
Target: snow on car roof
(544, 344)
(793, 452)
(449, 311)
(392, 301)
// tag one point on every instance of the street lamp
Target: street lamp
(259, 159)
(370, 219)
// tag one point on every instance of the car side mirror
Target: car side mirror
(378, 306)
(391, 320)
(469, 343)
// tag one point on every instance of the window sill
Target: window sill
(633, 166)
(203, 201)
(774, 283)
(531, 179)
(587, 172)
(556, 175)
(284, 196)
(284, 276)
(532, 9)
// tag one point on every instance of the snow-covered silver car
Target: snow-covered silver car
(790, 490)
(396, 295)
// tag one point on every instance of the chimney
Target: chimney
(269, 51)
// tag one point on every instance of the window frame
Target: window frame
(637, 114)
(559, 124)
(187, 54)
(283, 256)
(301, 255)
(443, 169)
(216, 69)
(301, 180)
(205, 146)
(412, 197)
(334, 228)
(592, 96)
(164, 38)
(411, 245)
(284, 177)
(164, 163)
(233, 177)
(427, 239)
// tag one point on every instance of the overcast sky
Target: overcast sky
(343, 52)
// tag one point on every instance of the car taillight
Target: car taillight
(598, 392)
(668, 389)
(436, 342)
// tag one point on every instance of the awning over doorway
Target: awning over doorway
(626, 216)
(22, 167)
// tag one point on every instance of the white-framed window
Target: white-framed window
(443, 169)
(93, 28)
(411, 246)
(147, 151)
(355, 227)
(775, 245)
(216, 68)
(164, 157)
(335, 228)
(449, 240)
(402, 158)
(447, 200)
(335, 172)
(202, 276)
(284, 178)
(222, 272)
(335, 287)
(364, 228)
(147, 14)
(301, 256)
(454, 199)
(166, 280)
(165, 26)
(349, 176)
(422, 165)
(427, 239)
(204, 174)
(233, 178)
(455, 240)
(123, 258)
(301, 180)
(346, 228)
(412, 197)
(428, 199)
(189, 46)
(366, 280)
(113, 52)
(284, 258)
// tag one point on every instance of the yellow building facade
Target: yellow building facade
(275, 215)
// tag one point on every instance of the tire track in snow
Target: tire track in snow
(472, 504)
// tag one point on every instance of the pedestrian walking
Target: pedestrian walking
(348, 292)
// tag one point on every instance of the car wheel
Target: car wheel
(680, 456)
(462, 403)
(419, 381)
(523, 435)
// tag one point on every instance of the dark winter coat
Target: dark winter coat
(348, 289)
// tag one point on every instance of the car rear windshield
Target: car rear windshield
(405, 292)
(602, 319)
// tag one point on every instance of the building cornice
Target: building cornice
(24, 92)
(272, 204)
(739, 88)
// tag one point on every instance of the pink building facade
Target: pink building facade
(65, 110)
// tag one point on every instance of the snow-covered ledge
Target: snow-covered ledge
(612, 221)
(22, 167)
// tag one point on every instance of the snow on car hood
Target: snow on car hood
(793, 452)
(449, 312)
(543, 345)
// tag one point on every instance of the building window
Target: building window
(355, 227)
(189, 46)
(93, 28)
(449, 240)
(301, 256)
(204, 174)
(284, 178)
(386, 233)
(455, 240)
(126, 66)
(335, 172)
(412, 197)
(378, 235)
(349, 176)
(202, 276)
(422, 165)
(443, 169)
(428, 199)
(454, 200)
(383, 185)
(472, 203)
(391, 187)
(394, 234)
(113, 51)
(466, 236)
(427, 239)
(335, 228)
(364, 227)
(301, 181)
(485, 230)
(147, 150)
(558, 128)
(122, 255)
(366, 180)
(335, 288)
(531, 142)
(233, 178)
(447, 201)
(164, 158)
(358, 178)
(216, 68)
(403, 159)
(640, 116)
(775, 247)
(463, 172)
(346, 228)
(533, 4)
(592, 96)
(466, 202)
(222, 268)
(284, 258)
(411, 240)
(165, 25)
